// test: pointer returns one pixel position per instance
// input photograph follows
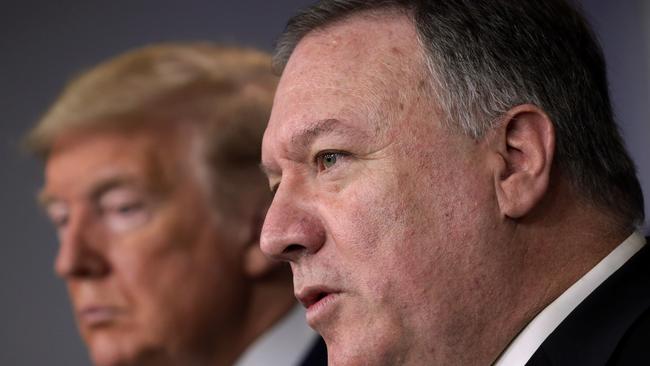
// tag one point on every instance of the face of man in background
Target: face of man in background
(383, 214)
(153, 271)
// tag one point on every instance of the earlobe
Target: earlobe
(526, 143)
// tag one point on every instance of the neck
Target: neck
(270, 299)
(559, 245)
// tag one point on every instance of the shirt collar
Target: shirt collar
(286, 343)
(533, 335)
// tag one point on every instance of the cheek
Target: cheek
(359, 216)
(180, 279)
(381, 216)
(140, 259)
(400, 227)
(369, 229)
(150, 262)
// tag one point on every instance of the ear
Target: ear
(256, 263)
(526, 143)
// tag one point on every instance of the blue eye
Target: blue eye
(327, 160)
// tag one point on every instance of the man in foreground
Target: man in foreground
(451, 189)
(152, 182)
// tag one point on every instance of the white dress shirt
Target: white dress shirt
(522, 348)
(285, 344)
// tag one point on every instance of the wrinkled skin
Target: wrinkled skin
(153, 273)
(378, 205)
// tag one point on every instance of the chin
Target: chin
(377, 346)
(103, 358)
(359, 349)
(354, 355)
(108, 351)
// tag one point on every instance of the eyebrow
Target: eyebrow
(109, 184)
(44, 199)
(303, 138)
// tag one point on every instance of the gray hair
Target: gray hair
(487, 56)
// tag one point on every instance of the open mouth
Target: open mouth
(318, 297)
(312, 296)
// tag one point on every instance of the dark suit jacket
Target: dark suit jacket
(317, 355)
(610, 327)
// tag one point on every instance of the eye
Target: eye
(328, 159)
(123, 209)
(58, 212)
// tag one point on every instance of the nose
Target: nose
(292, 227)
(80, 254)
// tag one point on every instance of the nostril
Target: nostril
(79, 260)
(293, 249)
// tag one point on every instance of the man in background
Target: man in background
(451, 188)
(152, 181)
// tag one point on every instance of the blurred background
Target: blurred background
(44, 43)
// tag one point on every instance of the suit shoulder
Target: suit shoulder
(634, 347)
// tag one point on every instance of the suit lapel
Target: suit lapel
(590, 334)
(317, 355)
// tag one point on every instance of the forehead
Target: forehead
(80, 161)
(370, 42)
(356, 70)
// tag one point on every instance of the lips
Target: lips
(310, 296)
(98, 315)
(318, 300)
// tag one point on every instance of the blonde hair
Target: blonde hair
(194, 81)
(226, 92)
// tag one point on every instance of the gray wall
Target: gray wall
(44, 43)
